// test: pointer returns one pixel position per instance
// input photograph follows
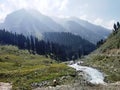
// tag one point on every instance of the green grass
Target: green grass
(113, 42)
(22, 69)
(107, 58)
(110, 65)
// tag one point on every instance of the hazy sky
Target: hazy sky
(101, 12)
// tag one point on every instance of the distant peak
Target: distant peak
(22, 9)
(27, 10)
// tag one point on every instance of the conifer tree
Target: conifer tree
(118, 25)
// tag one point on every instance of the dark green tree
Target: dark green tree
(118, 25)
(115, 27)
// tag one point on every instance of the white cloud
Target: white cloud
(60, 8)
(106, 24)
(110, 24)
(84, 6)
(49, 7)
(3, 12)
(63, 5)
(84, 17)
(98, 21)
(63, 16)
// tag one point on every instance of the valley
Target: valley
(40, 52)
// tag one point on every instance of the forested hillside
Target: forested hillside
(72, 50)
(113, 41)
(76, 43)
(32, 22)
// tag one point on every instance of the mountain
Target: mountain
(30, 22)
(33, 22)
(86, 30)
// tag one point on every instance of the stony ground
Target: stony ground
(5, 86)
(114, 86)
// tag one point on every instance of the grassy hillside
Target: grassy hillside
(113, 42)
(107, 58)
(23, 69)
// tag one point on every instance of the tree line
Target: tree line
(75, 42)
(41, 47)
(116, 27)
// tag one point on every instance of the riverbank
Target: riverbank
(77, 86)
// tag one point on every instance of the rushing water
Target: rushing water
(91, 75)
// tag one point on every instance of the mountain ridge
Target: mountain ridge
(33, 22)
(86, 30)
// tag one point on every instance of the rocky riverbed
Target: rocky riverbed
(5, 86)
(77, 86)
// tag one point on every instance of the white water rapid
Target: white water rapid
(91, 75)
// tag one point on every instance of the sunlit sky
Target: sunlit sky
(100, 12)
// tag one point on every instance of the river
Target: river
(91, 75)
